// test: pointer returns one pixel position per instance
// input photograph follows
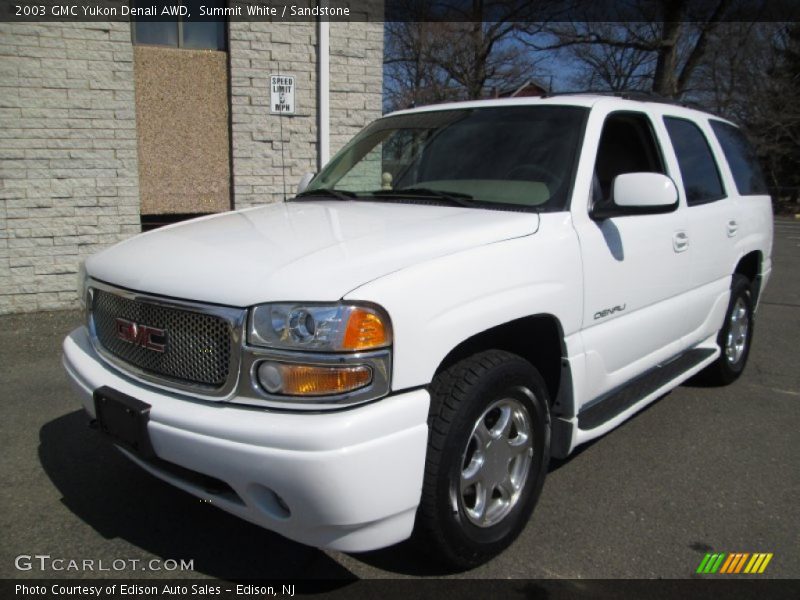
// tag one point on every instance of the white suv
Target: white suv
(464, 291)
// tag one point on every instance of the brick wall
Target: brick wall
(69, 183)
(257, 50)
(356, 78)
(68, 172)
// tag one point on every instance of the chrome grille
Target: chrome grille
(198, 345)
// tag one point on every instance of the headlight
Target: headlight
(332, 327)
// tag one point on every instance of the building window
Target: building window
(194, 34)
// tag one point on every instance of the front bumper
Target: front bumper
(351, 479)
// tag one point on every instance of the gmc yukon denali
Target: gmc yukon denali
(463, 292)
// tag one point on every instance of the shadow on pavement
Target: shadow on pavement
(406, 558)
(557, 463)
(119, 500)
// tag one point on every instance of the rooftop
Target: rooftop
(619, 100)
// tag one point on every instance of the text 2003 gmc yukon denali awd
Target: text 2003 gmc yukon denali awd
(464, 291)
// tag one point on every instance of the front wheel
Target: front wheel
(488, 452)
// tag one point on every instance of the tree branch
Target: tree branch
(701, 45)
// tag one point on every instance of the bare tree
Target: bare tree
(479, 56)
(774, 117)
(699, 52)
(411, 78)
(460, 52)
(662, 48)
(751, 75)
(730, 81)
(613, 67)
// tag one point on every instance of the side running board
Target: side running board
(616, 401)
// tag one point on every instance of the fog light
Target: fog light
(312, 380)
(270, 502)
(269, 374)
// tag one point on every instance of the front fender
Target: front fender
(436, 305)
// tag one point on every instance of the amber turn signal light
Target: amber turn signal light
(312, 380)
(365, 330)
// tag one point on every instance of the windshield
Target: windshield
(508, 156)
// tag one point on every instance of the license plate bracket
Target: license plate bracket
(123, 419)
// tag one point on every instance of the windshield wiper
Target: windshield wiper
(338, 194)
(456, 198)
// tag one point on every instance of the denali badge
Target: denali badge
(609, 311)
(145, 336)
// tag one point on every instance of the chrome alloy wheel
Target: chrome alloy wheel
(738, 326)
(496, 461)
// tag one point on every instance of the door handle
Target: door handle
(733, 227)
(680, 241)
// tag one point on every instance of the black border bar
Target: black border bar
(33, 11)
(407, 589)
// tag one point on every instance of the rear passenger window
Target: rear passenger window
(741, 158)
(698, 169)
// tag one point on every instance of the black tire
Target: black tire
(489, 382)
(726, 369)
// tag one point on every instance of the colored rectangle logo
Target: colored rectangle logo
(734, 563)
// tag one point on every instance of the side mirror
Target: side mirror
(639, 194)
(303, 183)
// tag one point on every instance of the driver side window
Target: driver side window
(627, 145)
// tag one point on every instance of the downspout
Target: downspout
(324, 125)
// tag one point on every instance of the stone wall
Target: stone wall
(356, 78)
(259, 50)
(69, 178)
(68, 172)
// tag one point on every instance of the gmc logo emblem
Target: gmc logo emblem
(144, 336)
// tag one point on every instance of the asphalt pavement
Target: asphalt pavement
(701, 470)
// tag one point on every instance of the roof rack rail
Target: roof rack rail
(640, 95)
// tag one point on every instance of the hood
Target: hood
(308, 250)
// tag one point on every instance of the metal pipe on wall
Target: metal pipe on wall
(323, 87)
